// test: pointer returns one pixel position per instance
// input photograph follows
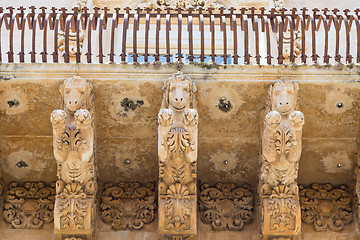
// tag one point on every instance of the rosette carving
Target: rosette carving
(29, 205)
(226, 206)
(128, 205)
(326, 207)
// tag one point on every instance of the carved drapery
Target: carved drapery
(73, 143)
(128, 205)
(177, 150)
(281, 151)
(29, 205)
(326, 207)
(226, 206)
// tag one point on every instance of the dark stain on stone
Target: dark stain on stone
(128, 104)
(224, 104)
(13, 103)
(21, 164)
(5, 78)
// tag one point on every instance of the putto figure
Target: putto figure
(177, 150)
(281, 151)
(73, 142)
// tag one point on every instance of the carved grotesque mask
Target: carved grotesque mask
(75, 94)
(284, 96)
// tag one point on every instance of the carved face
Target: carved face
(179, 92)
(75, 94)
(284, 96)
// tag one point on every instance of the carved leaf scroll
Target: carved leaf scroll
(326, 207)
(226, 206)
(29, 205)
(128, 205)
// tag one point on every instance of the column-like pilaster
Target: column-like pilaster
(177, 150)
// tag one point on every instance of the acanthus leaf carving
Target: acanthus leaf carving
(128, 205)
(226, 206)
(281, 151)
(30, 205)
(177, 150)
(326, 207)
(73, 207)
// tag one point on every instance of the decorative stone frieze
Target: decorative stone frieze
(184, 4)
(128, 206)
(177, 150)
(326, 207)
(281, 150)
(29, 205)
(226, 206)
(73, 142)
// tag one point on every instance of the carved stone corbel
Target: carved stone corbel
(177, 150)
(280, 212)
(73, 143)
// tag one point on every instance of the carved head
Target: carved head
(282, 96)
(179, 92)
(76, 93)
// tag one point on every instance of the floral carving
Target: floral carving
(226, 206)
(128, 205)
(30, 205)
(177, 149)
(281, 151)
(73, 143)
(73, 205)
(184, 4)
(283, 208)
(326, 207)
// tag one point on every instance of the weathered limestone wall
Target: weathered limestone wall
(231, 102)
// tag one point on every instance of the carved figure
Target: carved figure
(281, 151)
(177, 149)
(281, 140)
(73, 135)
(73, 142)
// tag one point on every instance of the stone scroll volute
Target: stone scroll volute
(73, 143)
(281, 151)
(177, 151)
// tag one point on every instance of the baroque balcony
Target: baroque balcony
(121, 160)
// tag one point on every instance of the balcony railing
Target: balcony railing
(228, 36)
